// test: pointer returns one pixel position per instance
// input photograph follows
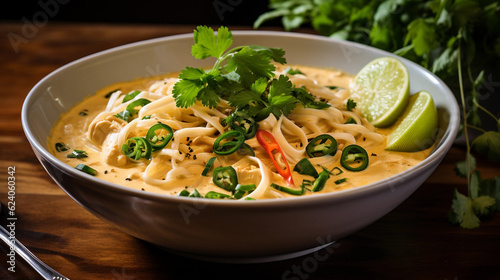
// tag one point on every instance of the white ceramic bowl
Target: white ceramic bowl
(223, 230)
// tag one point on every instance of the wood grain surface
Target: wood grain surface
(415, 241)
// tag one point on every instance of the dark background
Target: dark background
(206, 12)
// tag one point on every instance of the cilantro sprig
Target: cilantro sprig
(244, 76)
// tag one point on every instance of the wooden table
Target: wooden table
(415, 241)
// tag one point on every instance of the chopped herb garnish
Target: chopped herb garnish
(350, 105)
(184, 192)
(305, 167)
(79, 154)
(292, 71)
(216, 195)
(61, 147)
(87, 169)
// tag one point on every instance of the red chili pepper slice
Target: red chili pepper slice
(269, 143)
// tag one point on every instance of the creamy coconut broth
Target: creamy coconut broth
(92, 126)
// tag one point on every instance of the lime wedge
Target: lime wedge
(417, 127)
(381, 90)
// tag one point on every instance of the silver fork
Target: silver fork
(44, 270)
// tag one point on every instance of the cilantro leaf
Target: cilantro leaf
(208, 97)
(488, 143)
(250, 65)
(275, 54)
(462, 211)
(185, 92)
(281, 101)
(207, 44)
(307, 99)
(422, 35)
(461, 168)
(491, 187)
(244, 98)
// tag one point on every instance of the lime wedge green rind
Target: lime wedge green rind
(417, 128)
(381, 90)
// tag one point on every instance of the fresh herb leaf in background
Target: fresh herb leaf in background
(448, 37)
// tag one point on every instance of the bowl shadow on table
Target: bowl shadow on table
(187, 268)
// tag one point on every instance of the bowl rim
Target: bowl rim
(437, 154)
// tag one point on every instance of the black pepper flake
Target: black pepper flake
(187, 139)
(128, 179)
(188, 155)
(142, 189)
(194, 157)
(374, 155)
(364, 138)
(180, 153)
(105, 171)
(191, 150)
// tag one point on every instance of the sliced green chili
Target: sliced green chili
(216, 195)
(292, 71)
(61, 147)
(229, 142)
(353, 154)
(350, 105)
(195, 193)
(242, 190)
(137, 147)
(305, 167)
(291, 191)
(87, 169)
(245, 150)
(79, 154)
(131, 95)
(242, 122)
(156, 139)
(225, 177)
(209, 165)
(322, 145)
